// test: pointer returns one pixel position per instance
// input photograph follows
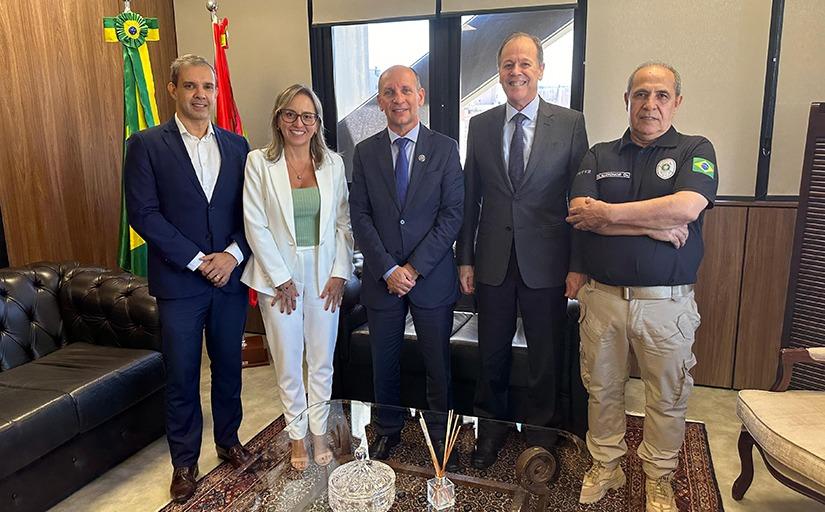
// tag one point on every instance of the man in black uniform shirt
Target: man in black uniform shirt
(637, 206)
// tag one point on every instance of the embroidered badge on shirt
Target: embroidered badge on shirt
(613, 174)
(666, 168)
(703, 166)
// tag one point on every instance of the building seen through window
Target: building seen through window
(362, 52)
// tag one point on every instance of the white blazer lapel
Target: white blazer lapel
(324, 179)
(279, 180)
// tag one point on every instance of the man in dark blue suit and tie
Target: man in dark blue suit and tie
(406, 204)
(184, 182)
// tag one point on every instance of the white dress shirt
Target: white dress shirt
(410, 150)
(531, 112)
(412, 135)
(206, 160)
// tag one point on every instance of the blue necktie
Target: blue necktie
(515, 164)
(402, 165)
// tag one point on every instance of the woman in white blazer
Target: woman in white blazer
(297, 222)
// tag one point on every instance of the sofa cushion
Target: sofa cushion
(33, 422)
(469, 333)
(30, 323)
(459, 319)
(464, 346)
(102, 381)
(788, 426)
(109, 308)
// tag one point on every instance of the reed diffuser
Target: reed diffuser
(440, 490)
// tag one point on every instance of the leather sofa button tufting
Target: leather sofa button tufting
(66, 335)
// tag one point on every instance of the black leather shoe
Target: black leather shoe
(183, 483)
(381, 447)
(238, 456)
(485, 453)
(453, 465)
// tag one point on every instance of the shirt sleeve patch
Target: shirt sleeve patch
(703, 166)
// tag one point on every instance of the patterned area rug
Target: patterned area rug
(272, 485)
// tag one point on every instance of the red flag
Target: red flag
(228, 117)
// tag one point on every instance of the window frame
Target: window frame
(444, 61)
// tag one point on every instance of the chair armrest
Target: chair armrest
(109, 308)
(790, 356)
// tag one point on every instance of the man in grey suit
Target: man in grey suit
(521, 160)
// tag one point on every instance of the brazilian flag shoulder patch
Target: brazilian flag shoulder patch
(703, 166)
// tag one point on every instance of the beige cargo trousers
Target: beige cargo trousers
(658, 324)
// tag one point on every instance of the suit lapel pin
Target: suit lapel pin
(421, 158)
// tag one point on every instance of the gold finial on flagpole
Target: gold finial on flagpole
(126, 6)
(212, 7)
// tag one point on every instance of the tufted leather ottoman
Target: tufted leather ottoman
(81, 378)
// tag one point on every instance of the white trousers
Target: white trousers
(309, 325)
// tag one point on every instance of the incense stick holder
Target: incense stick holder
(440, 493)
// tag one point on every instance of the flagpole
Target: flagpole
(212, 7)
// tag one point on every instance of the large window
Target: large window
(455, 56)
(481, 36)
(360, 54)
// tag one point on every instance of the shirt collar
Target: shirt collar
(529, 111)
(411, 135)
(183, 131)
(669, 139)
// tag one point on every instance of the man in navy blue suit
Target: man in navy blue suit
(406, 205)
(184, 181)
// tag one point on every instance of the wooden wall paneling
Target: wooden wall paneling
(768, 248)
(717, 295)
(4, 255)
(254, 320)
(61, 122)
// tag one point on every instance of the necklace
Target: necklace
(298, 174)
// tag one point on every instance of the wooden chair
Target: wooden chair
(787, 427)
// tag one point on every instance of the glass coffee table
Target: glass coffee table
(523, 477)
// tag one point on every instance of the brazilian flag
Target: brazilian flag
(140, 111)
(703, 166)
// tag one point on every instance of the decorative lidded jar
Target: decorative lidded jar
(362, 485)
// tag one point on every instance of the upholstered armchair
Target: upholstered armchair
(787, 427)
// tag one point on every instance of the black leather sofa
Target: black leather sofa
(81, 378)
(353, 364)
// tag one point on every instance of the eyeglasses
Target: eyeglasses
(308, 118)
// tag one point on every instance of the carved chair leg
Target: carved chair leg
(743, 482)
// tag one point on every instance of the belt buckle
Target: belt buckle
(627, 293)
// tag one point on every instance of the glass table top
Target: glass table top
(523, 477)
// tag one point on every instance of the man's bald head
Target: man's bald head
(400, 95)
(398, 69)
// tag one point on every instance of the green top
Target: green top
(307, 208)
